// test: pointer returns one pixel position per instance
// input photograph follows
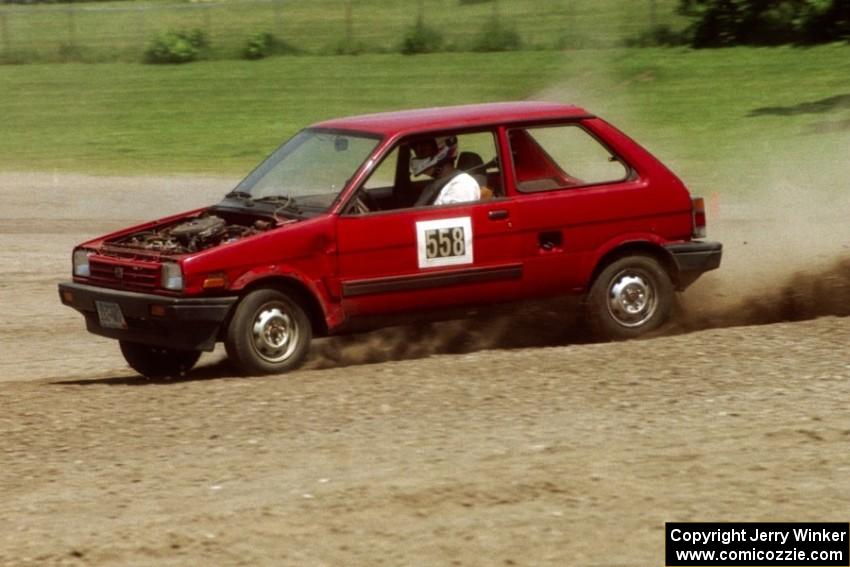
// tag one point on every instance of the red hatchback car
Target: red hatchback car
(378, 217)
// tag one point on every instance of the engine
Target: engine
(199, 233)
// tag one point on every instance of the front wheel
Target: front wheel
(269, 334)
(158, 362)
(630, 297)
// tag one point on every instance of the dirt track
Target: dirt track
(570, 455)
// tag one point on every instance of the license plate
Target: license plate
(110, 316)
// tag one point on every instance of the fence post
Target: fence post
(142, 25)
(208, 20)
(349, 25)
(72, 27)
(4, 30)
(278, 13)
(566, 37)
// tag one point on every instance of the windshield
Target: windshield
(307, 172)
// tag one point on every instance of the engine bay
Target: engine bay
(206, 230)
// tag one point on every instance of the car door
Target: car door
(427, 257)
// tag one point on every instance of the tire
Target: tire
(631, 297)
(158, 362)
(269, 333)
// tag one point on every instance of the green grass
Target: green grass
(719, 118)
(223, 116)
(101, 32)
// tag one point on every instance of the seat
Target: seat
(471, 163)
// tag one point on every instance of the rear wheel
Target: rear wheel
(270, 333)
(630, 297)
(158, 362)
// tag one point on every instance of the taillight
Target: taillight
(698, 211)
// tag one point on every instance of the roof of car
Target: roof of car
(452, 117)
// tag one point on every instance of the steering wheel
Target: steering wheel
(362, 204)
(359, 207)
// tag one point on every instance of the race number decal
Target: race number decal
(444, 242)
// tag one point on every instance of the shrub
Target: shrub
(181, 46)
(259, 46)
(660, 35)
(421, 39)
(496, 36)
(264, 44)
(198, 38)
(349, 47)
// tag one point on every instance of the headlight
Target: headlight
(81, 263)
(172, 276)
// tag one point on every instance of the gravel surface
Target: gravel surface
(559, 455)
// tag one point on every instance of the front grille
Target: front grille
(124, 274)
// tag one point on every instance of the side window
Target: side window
(476, 155)
(558, 157)
(389, 188)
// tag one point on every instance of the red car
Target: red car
(373, 218)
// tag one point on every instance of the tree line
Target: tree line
(718, 23)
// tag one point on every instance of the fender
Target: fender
(647, 241)
(331, 311)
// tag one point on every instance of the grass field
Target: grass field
(747, 109)
(223, 116)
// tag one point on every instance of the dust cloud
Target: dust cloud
(715, 303)
(529, 324)
(786, 240)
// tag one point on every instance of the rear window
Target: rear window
(562, 157)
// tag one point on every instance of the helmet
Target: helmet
(431, 152)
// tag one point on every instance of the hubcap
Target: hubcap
(275, 334)
(631, 298)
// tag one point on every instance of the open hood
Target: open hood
(208, 229)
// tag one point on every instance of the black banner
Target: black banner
(761, 544)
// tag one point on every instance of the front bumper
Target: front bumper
(182, 323)
(693, 259)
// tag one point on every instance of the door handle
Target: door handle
(498, 214)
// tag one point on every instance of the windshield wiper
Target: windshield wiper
(282, 201)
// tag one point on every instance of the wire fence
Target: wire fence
(96, 32)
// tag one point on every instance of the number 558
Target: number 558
(445, 242)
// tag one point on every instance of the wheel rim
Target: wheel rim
(632, 298)
(274, 332)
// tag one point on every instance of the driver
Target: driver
(435, 158)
